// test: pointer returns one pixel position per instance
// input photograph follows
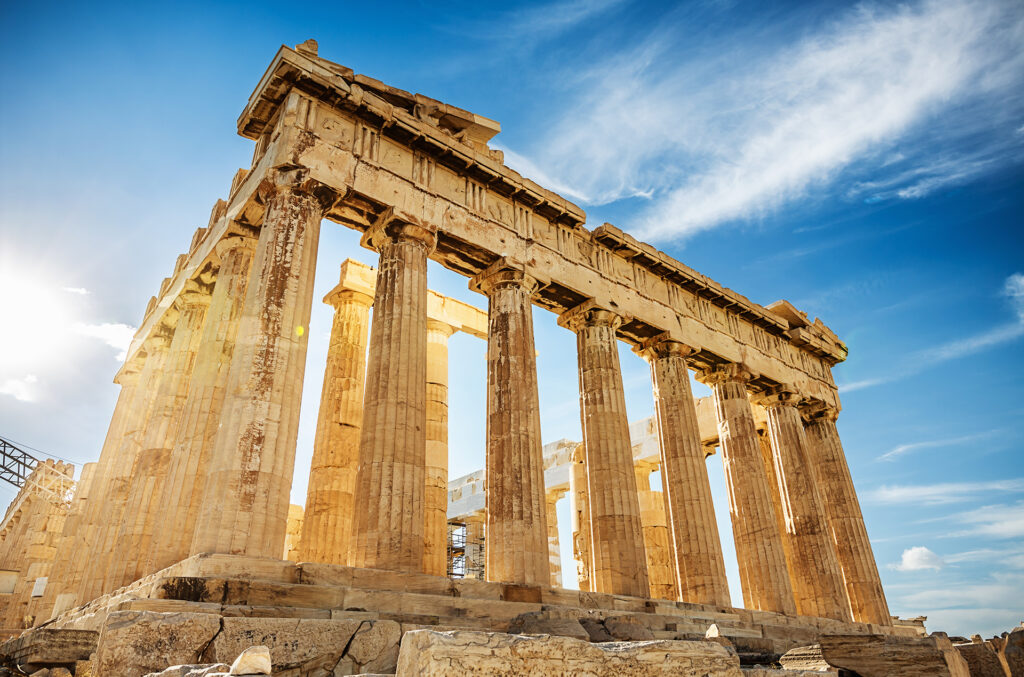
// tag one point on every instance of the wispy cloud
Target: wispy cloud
(1013, 290)
(942, 493)
(22, 389)
(935, 444)
(115, 335)
(918, 558)
(81, 291)
(997, 521)
(712, 139)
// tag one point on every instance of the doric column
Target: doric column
(388, 516)
(619, 563)
(580, 518)
(763, 575)
(765, 441)
(327, 525)
(185, 483)
(244, 510)
(817, 581)
(517, 532)
(661, 566)
(684, 477)
(144, 512)
(554, 548)
(118, 478)
(435, 492)
(846, 523)
(80, 532)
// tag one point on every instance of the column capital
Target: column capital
(440, 327)
(400, 226)
(506, 272)
(295, 181)
(777, 396)
(663, 346)
(194, 294)
(235, 238)
(728, 371)
(342, 294)
(589, 314)
(816, 410)
(129, 373)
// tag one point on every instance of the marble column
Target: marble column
(517, 531)
(697, 548)
(764, 578)
(619, 563)
(185, 483)
(150, 472)
(580, 518)
(554, 548)
(244, 509)
(327, 525)
(91, 494)
(846, 523)
(389, 515)
(435, 492)
(118, 479)
(765, 441)
(817, 580)
(658, 546)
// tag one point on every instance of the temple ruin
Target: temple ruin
(185, 521)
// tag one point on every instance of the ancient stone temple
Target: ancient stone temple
(183, 529)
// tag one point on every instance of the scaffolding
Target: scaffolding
(465, 550)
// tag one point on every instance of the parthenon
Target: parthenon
(186, 512)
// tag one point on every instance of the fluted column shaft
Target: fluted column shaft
(765, 441)
(517, 528)
(117, 482)
(244, 509)
(580, 518)
(661, 565)
(80, 530)
(699, 563)
(619, 562)
(846, 523)
(817, 580)
(327, 525)
(435, 491)
(554, 548)
(389, 514)
(150, 471)
(185, 483)
(764, 578)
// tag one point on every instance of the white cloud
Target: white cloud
(82, 291)
(918, 558)
(941, 494)
(725, 132)
(933, 444)
(23, 389)
(115, 335)
(997, 521)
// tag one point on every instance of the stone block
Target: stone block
(374, 647)
(209, 565)
(263, 593)
(191, 670)
(546, 623)
(50, 647)
(425, 654)
(882, 656)
(293, 643)
(627, 628)
(806, 658)
(981, 659)
(134, 643)
(1013, 652)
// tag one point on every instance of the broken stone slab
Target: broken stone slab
(806, 658)
(305, 643)
(426, 653)
(136, 643)
(627, 629)
(253, 661)
(1013, 652)
(192, 670)
(374, 647)
(50, 647)
(883, 656)
(982, 660)
(758, 671)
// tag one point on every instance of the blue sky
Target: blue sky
(863, 161)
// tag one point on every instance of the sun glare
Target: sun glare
(36, 315)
